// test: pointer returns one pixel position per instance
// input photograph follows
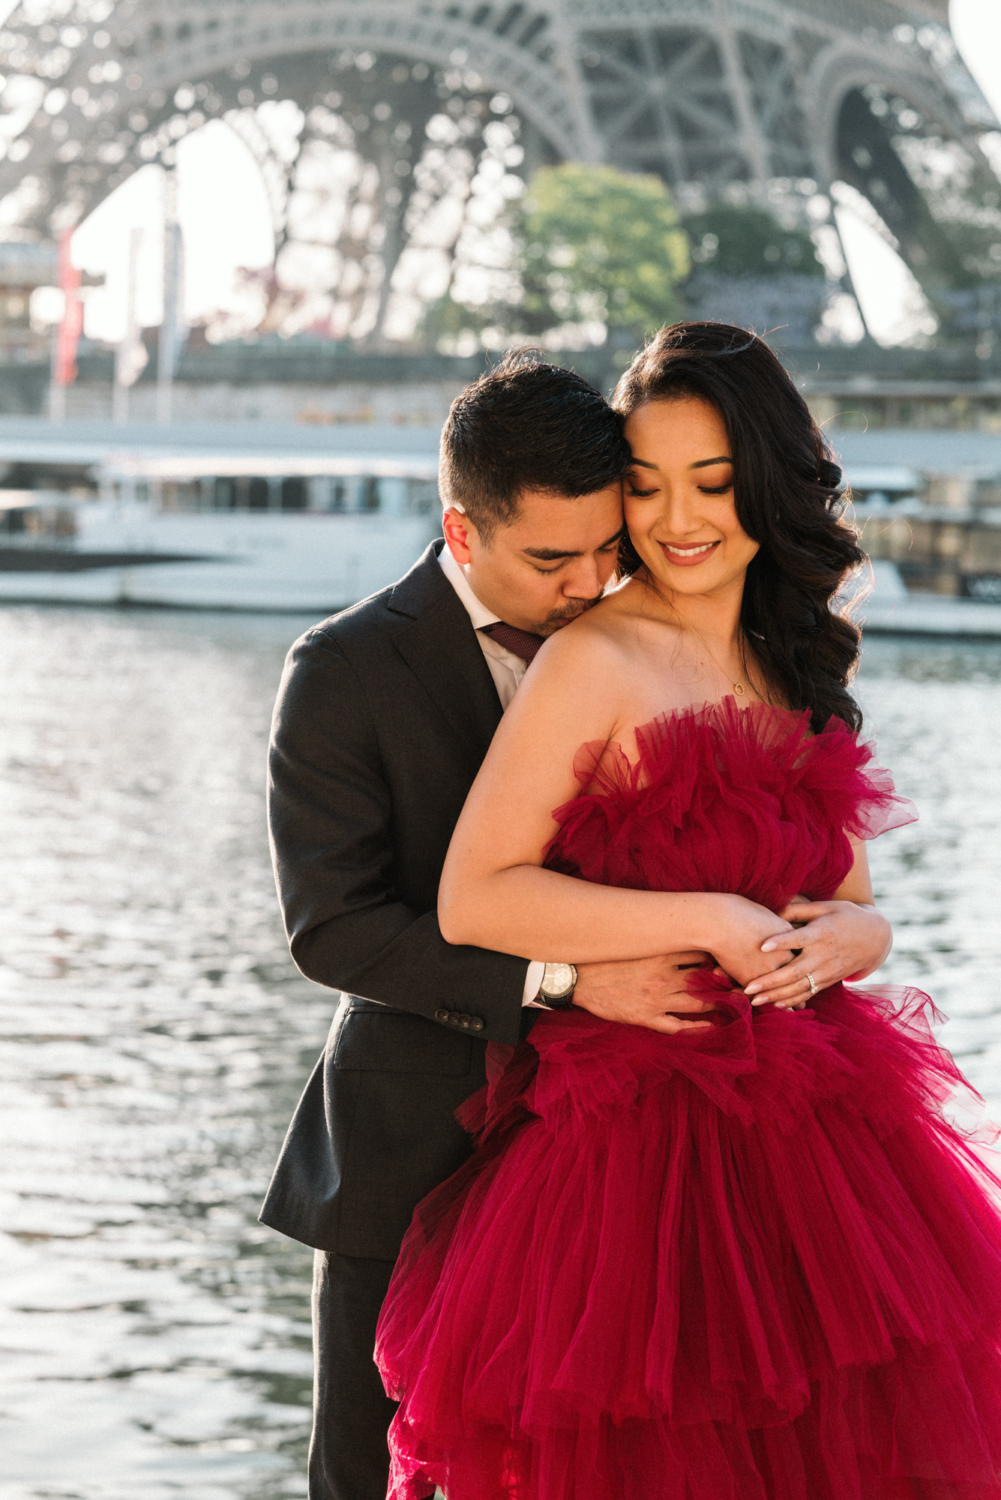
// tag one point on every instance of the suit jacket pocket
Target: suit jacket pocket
(393, 1041)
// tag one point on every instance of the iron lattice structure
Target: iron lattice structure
(707, 93)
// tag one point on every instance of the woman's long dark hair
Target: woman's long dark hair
(786, 490)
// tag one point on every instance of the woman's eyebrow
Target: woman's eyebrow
(703, 463)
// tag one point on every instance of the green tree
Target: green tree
(591, 245)
(734, 241)
(599, 245)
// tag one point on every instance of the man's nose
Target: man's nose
(585, 580)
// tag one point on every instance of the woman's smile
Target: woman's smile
(688, 554)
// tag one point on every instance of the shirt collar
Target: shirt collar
(456, 575)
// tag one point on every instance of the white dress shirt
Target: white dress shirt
(507, 670)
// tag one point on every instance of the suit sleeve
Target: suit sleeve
(330, 816)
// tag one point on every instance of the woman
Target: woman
(751, 1258)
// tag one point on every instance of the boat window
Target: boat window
(224, 494)
(293, 493)
(369, 493)
(12, 521)
(258, 494)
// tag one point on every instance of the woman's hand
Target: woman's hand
(839, 940)
(740, 935)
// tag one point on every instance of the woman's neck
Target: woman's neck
(714, 616)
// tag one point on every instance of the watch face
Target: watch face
(559, 979)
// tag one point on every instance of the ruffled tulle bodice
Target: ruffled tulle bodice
(754, 1262)
(726, 799)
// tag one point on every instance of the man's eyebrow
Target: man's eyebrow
(703, 463)
(551, 554)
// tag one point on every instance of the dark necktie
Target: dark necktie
(520, 642)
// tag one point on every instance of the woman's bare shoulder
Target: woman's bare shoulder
(619, 629)
(599, 644)
(601, 667)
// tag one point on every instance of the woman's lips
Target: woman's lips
(688, 557)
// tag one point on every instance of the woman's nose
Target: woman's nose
(678, 513)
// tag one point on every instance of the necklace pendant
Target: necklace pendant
(738, 688)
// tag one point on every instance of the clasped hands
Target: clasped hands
(768, 954)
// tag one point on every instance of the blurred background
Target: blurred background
(248, 256)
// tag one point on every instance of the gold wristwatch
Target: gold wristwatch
(558, 983)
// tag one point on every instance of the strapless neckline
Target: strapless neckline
(728, 712)
(747, 800)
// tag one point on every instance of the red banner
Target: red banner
(71, 327)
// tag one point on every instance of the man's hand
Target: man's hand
(840, 940)
(644, 992)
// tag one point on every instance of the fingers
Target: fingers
(794, 1001)
(800, 910)
(789, 975)
(800, 937)
(799, 989)
(684, 1002)
(792, 980)
(784, 942)
(671, 1025)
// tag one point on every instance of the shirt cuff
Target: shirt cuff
(533, 983)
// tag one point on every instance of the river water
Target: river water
(154, 1035)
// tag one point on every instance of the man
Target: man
(384, 715)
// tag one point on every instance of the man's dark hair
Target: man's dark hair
(527, 425)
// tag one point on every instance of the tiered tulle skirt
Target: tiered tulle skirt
(753, 1263)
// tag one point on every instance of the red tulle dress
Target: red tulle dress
(750, 1263)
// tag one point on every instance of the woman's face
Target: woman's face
(679, 501)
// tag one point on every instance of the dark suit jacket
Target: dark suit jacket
(383, 717)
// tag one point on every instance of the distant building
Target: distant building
(24, 265)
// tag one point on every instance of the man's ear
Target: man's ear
(457, 528)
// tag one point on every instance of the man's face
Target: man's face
(549, 565)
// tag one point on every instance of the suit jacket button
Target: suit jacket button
(442, 1015)
(476, 1024)
(464, 1022)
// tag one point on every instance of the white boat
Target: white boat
(260, 525)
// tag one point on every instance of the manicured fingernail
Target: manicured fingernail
(752, 988)
(768, 947)
(761, 1000)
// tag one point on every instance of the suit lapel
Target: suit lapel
(438, 643)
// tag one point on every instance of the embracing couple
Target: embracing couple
(616, 1189)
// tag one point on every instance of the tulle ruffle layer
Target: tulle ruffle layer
(754, 1262)
(726, 799)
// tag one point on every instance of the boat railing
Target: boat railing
(342, 494)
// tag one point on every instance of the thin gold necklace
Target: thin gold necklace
(739, 687)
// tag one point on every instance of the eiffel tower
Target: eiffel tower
(715, 96)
